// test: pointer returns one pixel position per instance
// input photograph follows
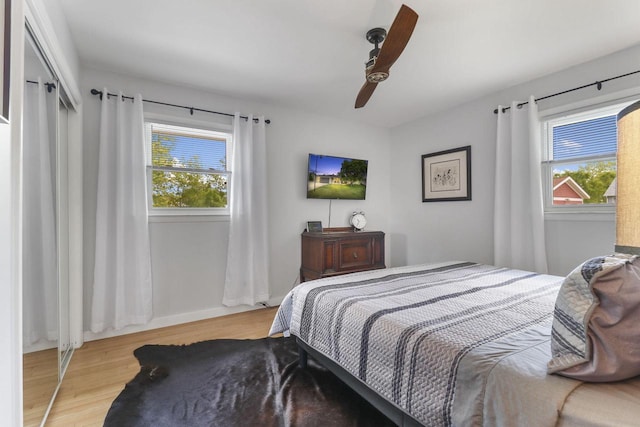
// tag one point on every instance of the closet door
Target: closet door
(45, 240)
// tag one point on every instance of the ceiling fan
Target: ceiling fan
(382, 58)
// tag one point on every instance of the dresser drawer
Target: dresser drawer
(354, 254)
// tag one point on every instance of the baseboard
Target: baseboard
(177, 319)
(39, 346)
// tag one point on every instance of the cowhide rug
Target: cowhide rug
(236, 383)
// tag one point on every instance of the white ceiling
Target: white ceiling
(310, 54)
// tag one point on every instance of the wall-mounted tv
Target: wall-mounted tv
(331, 177)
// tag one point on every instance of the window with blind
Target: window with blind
(579, 165)
(187, 169)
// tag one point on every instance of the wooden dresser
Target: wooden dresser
(340, 251)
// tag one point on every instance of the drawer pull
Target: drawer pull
(355, 255)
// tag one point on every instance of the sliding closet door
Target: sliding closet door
(46, 329)
(40, 236)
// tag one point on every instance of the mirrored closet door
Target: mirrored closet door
(45, 217)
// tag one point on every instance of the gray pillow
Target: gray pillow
(596, 323)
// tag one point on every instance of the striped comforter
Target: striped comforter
(429, 338)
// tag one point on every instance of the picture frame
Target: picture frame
(446, 175)
(314, 226)
(5, 56)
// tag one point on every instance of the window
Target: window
(187, 170)
(579, 166)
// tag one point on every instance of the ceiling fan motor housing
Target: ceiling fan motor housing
(375, 36)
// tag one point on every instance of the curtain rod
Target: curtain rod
(598, 84)
(50, 86)
(191, 109)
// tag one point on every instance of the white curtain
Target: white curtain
(519, 240)
(122, 291)
(247, 276)
(40, 274)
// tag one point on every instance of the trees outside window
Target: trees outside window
(188, 168)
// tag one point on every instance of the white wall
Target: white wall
(10, 235)
(464, 230)
(189, 257)
(434, 231)
(9, 287)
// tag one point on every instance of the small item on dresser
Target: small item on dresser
(358, 221)
(314, 226)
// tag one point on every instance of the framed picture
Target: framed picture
(5, 54)
(314, 226)
(446, 175)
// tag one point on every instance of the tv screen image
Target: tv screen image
(331, 177)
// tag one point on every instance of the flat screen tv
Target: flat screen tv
(331, 177)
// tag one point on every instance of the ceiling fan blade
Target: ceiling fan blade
(397, 38)
(365, 93)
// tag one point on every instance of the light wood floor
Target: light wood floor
(99, 369)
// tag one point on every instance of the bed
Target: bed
(452, 343)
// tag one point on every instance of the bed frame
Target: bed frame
(392, 411)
